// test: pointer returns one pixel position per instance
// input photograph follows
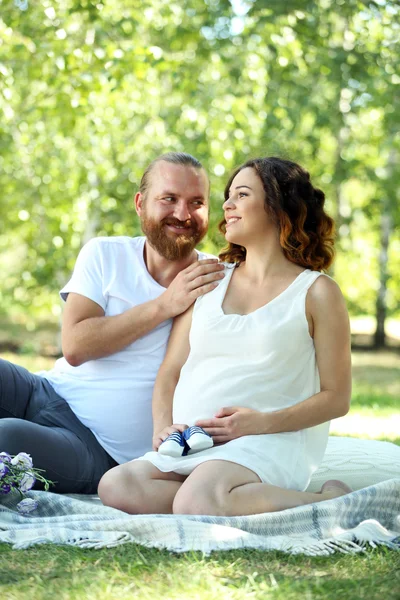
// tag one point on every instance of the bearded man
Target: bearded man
(92, 411)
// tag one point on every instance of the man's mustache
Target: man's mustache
(188, 224)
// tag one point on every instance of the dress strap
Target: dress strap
(216, 295)
(304, 281)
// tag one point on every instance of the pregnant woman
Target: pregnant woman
(271, 341)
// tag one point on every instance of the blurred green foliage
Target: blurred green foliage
(91, 91)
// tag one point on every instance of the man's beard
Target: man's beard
(179, 246)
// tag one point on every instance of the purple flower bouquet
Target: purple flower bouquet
(17, 473)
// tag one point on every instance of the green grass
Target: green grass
(375, 410)
(30, 362)
(376, 381)
(134, 572)
(131, 571)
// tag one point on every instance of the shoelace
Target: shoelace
(175, 437)
(192, 430)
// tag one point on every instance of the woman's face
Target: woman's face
(244, 211)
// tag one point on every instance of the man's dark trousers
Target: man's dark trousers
(36, 420)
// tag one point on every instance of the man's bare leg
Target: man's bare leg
(138, 487)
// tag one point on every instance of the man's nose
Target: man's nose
(181, 211)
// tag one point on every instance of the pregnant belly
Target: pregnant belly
(201, 392)
(194, 399)
(193, 402)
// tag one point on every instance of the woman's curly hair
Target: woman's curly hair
(306, 232)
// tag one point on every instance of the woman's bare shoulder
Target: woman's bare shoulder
(325, 293)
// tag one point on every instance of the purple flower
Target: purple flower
(22, 460)
(5, 488)
(3, 470)
(26, 506)
(5, 457)
(27, 482)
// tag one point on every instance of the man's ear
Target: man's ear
(139, 203)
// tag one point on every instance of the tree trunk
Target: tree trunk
(381, 307)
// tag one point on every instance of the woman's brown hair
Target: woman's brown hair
(306, 232)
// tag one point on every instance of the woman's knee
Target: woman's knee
(111, 487)
(123, 487)
(194, 500)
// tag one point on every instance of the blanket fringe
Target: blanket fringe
(322, 548)
(355, 546)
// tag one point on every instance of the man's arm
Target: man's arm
(327, 308)
(88, 334)
(167, 378)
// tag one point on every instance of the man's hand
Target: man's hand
(232, 422)
(160, 437)
(197, 279)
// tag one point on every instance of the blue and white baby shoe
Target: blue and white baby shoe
(174, 445)
(193, 439)
(197, 439)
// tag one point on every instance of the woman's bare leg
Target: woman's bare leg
(138, 487)
(224, 488)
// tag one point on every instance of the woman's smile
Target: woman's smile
(231, 220)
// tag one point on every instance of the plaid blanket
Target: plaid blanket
(368, 517)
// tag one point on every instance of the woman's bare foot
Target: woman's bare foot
(333, 488)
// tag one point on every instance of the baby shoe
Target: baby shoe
(174, 445)
(197, 439)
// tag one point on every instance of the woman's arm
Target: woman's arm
(168, 376)
(327, 313)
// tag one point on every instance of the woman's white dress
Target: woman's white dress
(264, 360)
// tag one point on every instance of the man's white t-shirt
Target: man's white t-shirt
(112, 395)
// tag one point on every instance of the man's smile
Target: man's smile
(179, 227)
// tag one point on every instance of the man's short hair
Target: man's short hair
(176, 158)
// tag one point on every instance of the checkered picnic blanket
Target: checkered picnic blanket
(368, 517)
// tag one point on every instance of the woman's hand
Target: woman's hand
(159, 438)
(232, 422)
